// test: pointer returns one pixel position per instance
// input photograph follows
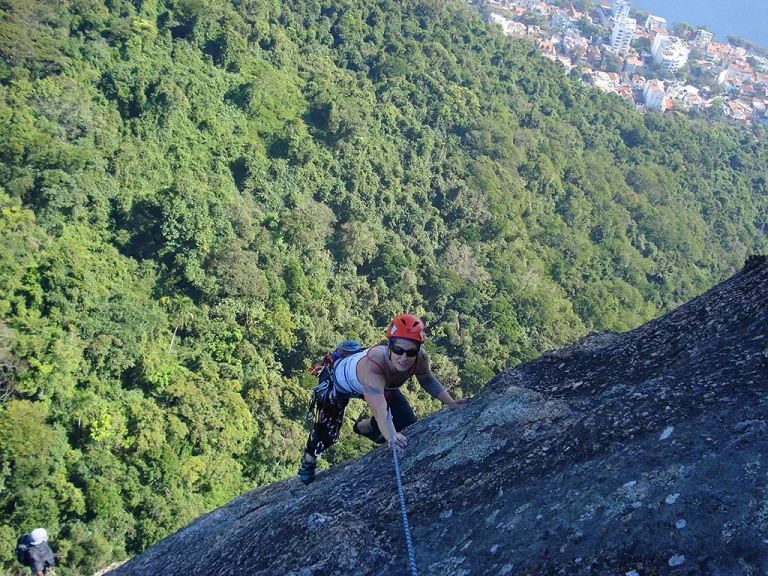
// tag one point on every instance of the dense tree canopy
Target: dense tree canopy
(198, 199)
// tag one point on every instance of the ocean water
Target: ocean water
(745, 18)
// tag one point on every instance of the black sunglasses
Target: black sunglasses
(410, 352)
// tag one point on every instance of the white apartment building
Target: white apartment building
(518, 28)
(659, 41)
(632, 64)
(722, 76)
(505, 23)
(654, 96)
(655, 22)
(623, 33)
(572, 40)
(670, 52)
(680, 92)
(623, 26)
(675, 57)
(703, 37)
(620, 10)
(509, 26)
(713, 54)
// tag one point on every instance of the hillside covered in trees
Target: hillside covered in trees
(199, 197)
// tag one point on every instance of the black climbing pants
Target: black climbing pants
(325, 432)
(402, 413)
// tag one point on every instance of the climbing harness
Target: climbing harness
(324, 394)
(411, 557)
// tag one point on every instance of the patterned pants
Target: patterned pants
(325, 432)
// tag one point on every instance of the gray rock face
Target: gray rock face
(624, 454)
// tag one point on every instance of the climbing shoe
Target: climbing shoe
(378, 438)
(307, 471)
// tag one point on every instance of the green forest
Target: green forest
(199, 198)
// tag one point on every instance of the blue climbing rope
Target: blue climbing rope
(411, 557)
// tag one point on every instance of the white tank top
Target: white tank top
(345, 374)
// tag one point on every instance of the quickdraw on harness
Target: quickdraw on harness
(324, 372)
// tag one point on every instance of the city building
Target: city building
(594, 55)
(547, 47)
(620, 10)
(638, 82)
(623, 27)
(737, 110)
(505, 23)
(760, 63)
(560, 20)
(654, 96)
(603, 11)
(622, 35)
(533, 30)
(713, 53)
(748, 90)
(625, 92)
(572, 40)
(632, 64)
(566, 62)
(606, 81)
(528, 4)
(573, 14)
(518, 28)
(703, 37)
(742, 74)
(655, 22)
(740, 69)
(670, 52)
(694, 101)
(724, 78)
(542, 8)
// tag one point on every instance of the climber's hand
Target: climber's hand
(400, 440)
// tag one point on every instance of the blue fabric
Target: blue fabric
(40, 557)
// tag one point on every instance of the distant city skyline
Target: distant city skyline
(747, 19)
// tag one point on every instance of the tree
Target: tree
(588, 29)
(612, 63)
(239, 273)
(584, 5)
(359, 242)
(642, 45)
(715, 110)
(681, 29)
(181, 310)
(10, 364)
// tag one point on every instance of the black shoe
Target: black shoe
(307, 471)
(372, 436)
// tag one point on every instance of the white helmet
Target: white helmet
(38, 536)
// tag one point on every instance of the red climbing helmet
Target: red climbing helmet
(407, 326)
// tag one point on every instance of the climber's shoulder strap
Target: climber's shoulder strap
(384, 369)
(344, 348)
